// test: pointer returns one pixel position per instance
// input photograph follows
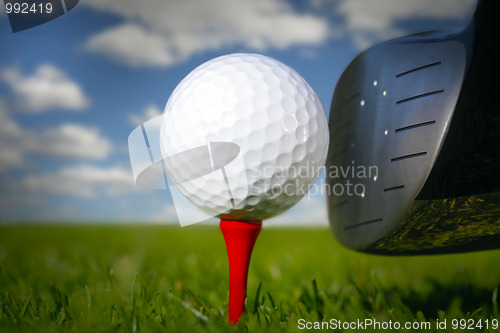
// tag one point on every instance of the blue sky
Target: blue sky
(73, 89)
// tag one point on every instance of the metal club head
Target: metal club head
(413, 161)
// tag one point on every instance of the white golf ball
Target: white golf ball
(264, 122)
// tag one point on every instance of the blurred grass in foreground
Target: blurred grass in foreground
(157, 278)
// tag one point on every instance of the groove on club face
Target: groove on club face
(427, 94)
(414, 126)
(405, 157)
(437, 63)
(363, 224)
(394, 188)
(390, 110)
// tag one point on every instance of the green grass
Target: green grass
(445, 226)
(168, 279)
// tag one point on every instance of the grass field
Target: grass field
(168, 279)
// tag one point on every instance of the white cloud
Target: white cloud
(65, 141)
(369, 21)
(47, 88)
(148, 113)
(162, 33)
(133, 45)
(83, 181)
(70, 141)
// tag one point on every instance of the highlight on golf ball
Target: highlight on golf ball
(243, 137)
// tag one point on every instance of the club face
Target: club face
(390, 112)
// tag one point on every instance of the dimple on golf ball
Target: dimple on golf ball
(274, 126)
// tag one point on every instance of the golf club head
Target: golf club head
(414, 159)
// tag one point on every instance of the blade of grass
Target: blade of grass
(494, 300)
(89, 299)
(196, 298)
(317, 299)
(188, 306)
(256, 300)
(25, 307)
(271, 300)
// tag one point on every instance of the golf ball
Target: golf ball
(274, 126)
